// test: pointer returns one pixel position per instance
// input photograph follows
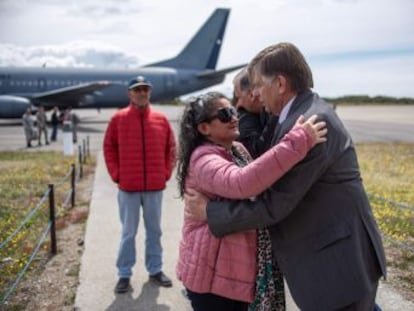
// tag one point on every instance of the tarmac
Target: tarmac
(98, 274)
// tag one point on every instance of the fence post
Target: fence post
(73, 183)
(52, 219)
(80, 162)
(84, 150)
(87, 146)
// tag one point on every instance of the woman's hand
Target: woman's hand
(317, 130)
(195, 205)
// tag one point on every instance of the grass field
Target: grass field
(23, 187)
(387, 171)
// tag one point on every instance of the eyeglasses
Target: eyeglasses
(225, 115)
(235, 99)
(141, 89)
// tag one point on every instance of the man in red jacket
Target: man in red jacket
(139, 151)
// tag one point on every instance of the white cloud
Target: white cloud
(72, 54)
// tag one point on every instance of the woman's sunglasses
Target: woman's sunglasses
(225, 115)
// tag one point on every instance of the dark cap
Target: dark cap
(138, 81)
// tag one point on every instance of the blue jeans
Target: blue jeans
(129, 213)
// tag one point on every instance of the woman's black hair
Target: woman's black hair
(198, 109)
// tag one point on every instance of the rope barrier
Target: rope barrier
(23, 271)
(63, 179)
(27, 218)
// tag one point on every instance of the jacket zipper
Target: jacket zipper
(143, 151)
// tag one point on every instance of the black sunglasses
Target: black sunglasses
(225, 115)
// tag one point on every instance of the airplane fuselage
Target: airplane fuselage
(168, 83)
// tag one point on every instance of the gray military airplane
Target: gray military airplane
(191, 70)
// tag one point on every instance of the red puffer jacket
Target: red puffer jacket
(139, 149)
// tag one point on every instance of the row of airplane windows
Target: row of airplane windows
(50, 83)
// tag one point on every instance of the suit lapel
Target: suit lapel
(295, 111)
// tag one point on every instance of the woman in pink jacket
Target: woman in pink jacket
(236, 271)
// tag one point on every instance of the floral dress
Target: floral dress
(269, 289)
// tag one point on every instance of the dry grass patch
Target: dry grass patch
(388, 173)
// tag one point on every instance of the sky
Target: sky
(354, 47)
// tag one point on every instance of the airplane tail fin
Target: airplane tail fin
(203, 50)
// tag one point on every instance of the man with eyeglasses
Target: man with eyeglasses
(139, 150)
(255, 124)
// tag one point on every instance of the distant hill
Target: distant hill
(368, 100)
(344, 100)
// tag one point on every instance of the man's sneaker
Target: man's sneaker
(122, 286)
(161, 279)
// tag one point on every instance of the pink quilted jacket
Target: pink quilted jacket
(227, 266)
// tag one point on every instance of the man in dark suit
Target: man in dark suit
(255, 124)
(323, 232)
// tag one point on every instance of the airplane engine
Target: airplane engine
(13, 106)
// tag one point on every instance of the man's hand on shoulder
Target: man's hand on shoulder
(195, 205)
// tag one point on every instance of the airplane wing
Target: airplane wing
(218, 73)
(74, 93)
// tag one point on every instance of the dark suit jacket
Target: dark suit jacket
(324, 235)
(256, 130)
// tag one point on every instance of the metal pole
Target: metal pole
(52, 219)
(84, 150)
(87, 145)
(73, 183)
(80, 162)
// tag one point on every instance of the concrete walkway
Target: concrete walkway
(98, 274)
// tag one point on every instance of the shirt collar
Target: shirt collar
(285, 110)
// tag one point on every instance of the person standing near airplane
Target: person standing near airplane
(54, 121)
(74, 119)
(42, 124)
(28, 126)
(139, 150)
(324, 235)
